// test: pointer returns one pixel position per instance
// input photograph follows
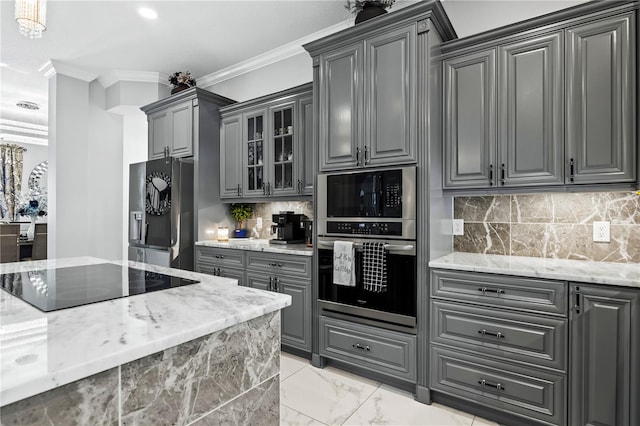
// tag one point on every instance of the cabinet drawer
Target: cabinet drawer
(220, 256)
(279, 263)
(382, 351)
(522, 391)
(524, 294)
(225, 272)
(519, 337)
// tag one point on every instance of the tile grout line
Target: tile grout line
(363, 402)
(235, 397)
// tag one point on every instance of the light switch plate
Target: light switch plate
(458, 226)
(259, 222)
(601, 232)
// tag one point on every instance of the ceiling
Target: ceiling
(100, 37)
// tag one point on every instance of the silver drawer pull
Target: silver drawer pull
(491, 290)
(363, 348)
(484, 332)
(497, 386)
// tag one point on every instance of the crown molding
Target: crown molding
(117, 76)
(270, 57)
(53, 67)
(22, 132)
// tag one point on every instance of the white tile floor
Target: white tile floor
(329, 396)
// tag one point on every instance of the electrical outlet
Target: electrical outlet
(601, 232)
(458, 226)
(259, 222)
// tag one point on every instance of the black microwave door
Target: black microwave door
(364, 195)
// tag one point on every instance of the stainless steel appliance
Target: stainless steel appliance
(161, 212)
(61, 288)
(308, 232)
(379, 203)
(288, 228)
(393, 309)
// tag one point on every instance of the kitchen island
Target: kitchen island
(205, 353)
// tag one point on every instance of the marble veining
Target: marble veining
(558, 226)
(181, 384)
(48, 350)
(90, 401)
(259, 245)
(610, 273)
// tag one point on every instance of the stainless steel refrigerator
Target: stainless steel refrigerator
(161, 218)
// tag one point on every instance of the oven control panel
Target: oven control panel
(365, 228)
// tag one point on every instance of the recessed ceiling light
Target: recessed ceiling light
(28, 105)
(147, 13)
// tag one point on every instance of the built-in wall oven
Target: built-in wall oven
(363, 206)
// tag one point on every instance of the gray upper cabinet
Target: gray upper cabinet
(605, 347)
(230, 155)
(368, 102)
(254, 159)
(390, 98)
(341, 99)
(530, 112)
(171, 131)
(180, 125)
(306, 171)
(560, 108)
(469, 128)
(267, 146)
(601, 101)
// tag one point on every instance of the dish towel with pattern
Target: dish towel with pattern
(374, 267)
(344, 272)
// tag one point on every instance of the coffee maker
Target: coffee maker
(288, 228)
(308, 232)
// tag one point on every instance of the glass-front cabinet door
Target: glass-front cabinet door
(254, 182)
(283, 150)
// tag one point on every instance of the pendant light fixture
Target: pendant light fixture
(31, 16)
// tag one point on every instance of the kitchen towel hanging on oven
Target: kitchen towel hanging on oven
(344, 272)
(374, 267)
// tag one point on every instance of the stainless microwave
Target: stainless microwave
(373, 203)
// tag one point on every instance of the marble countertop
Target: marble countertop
(259, 245)
(622, 274)
(41, 351)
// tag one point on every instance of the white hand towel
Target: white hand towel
(344, 272)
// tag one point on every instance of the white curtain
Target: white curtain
(11, 158)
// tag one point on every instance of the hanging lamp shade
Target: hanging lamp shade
(31, 16)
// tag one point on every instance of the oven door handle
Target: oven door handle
(390, 247)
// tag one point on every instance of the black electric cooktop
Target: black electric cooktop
(53, 289)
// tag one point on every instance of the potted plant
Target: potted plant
(367, 9)
(240, 212)
(181, 81)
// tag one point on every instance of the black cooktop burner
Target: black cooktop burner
(53, 289)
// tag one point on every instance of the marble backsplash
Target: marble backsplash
(550, 225)
(265, 210)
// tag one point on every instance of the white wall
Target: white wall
(272, 78)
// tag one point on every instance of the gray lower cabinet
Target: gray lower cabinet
(525, 392)
(502, 342)
(605, 361)
(221, 262)
(382, 351)
(283, 273)
(288, 274)
(601, 100)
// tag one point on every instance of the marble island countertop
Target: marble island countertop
(42, 351)
(622, 274)
(259, 245)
